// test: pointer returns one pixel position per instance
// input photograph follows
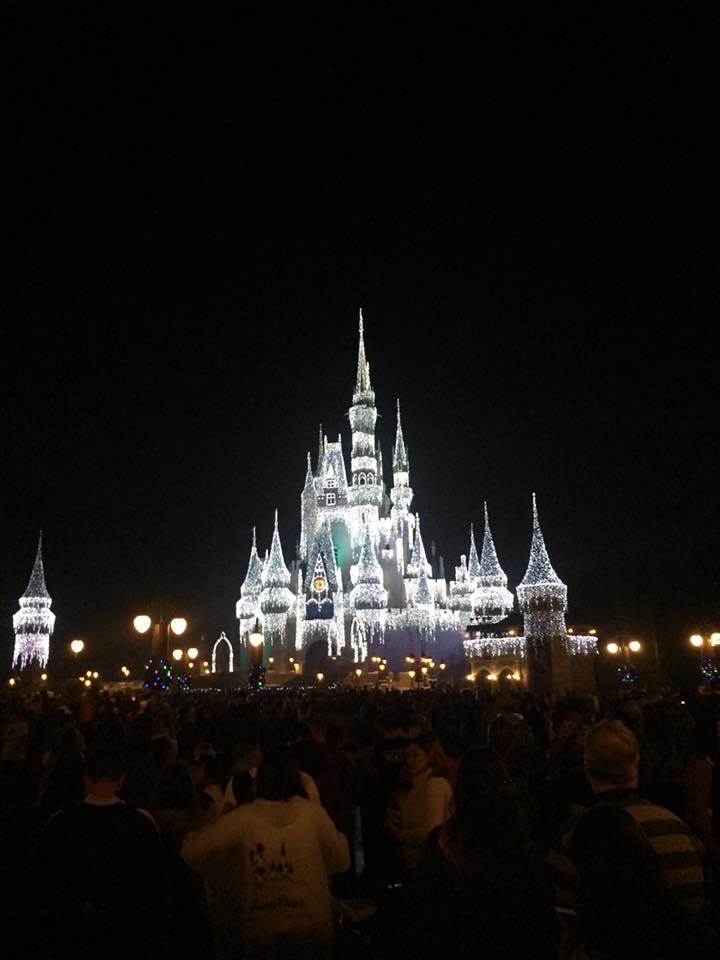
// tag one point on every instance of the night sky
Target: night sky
(525, 208)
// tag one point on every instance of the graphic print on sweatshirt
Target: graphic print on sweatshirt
(274, 879)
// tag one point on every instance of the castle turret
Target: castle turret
(401, 493)
(34, 622)
(491, 601)
(542, 597)
(276, 598)
(460, 591)
(365, 494)
(308, 511)
(369, 592)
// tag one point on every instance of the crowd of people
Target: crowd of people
(360, 823)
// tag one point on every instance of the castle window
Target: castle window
(370, 479)
(330, 479)
(361, 479)
(330, 499)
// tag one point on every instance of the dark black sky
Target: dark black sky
(526, 209)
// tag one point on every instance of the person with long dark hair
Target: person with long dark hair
(479, 889)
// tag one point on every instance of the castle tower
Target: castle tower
(34, 622)
(369, 592)
(247, 608)
(401, 493)
(365, 494)
(308, 511)
(542, 597)
(277, 601)
(491, 601)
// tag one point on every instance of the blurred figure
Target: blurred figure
(413, 812)
(479, 889)
(268, 866)
(625, 909)
(97, 869)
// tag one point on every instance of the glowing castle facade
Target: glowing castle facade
(362, 583)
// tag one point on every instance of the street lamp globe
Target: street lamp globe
(696, 640)
(178, 625)
(77, 646)
(177, 654)
(634, 646)
(193, 653)
(714, 639)
(142, 623)
(255, 637)
(612, 648)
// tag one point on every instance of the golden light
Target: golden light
(296, 667)
(191, 664)
(321, 677)
(408, 659)
(178, 625)
(516, 675)
(470, 677)
(95, 674)
(612, 648)
(205, 663)
(77, 646)
(492, 676)
(592, 631)
(271, 659)
(432, 664)
(715, 639)
(255, 637)
(696, 640)
(43, 676)
(383, 665)
(442, 666)
(88, 673)
(193, 653)
(291, 660)
(207, 673)
(88, 683)
(634, 646)
(423, 669)
(570, 630)
(142, 623)
(411, 674)
(177, 654)
(11, 681)
(511, 633)
(358, 672)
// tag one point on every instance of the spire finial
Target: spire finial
(472, 533)
(309, 464)
(363, 368)
(276, 518)
(254, 543)
(536, 518)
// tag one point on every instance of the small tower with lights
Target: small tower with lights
(542, 597)
(34, 622)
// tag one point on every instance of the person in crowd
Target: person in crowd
(97, 869)
(207, 775)
(425, 802)
(625, 909)
(479, 888)
(612, 767)
(177, 811)
(268, 865)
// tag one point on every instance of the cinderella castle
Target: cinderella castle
(362, 586)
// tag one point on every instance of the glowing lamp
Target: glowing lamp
(142, 623)
(715, 639)
(255, 637)
(612, 648)
(178, 625)
(177, 654)
(696, 640)
(77, 646)
(321, 677)
(470, 677)
(634, 646)
(193, 653)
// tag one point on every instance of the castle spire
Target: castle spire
(309, 479)
(321, 451)
(276, 574)
(369, 592)
(491, 573)
(473, 562)
(36, 585)
(252, 584)
(400, 457)
(418, 558)
(362, 383)
(540, 570)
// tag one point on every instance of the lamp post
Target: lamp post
(256, 673)
(77, 646)
(162, 632)
(624, 649)
(707, 648)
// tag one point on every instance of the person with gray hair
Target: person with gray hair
(612, 763)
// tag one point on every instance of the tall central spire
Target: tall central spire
(362, 383)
